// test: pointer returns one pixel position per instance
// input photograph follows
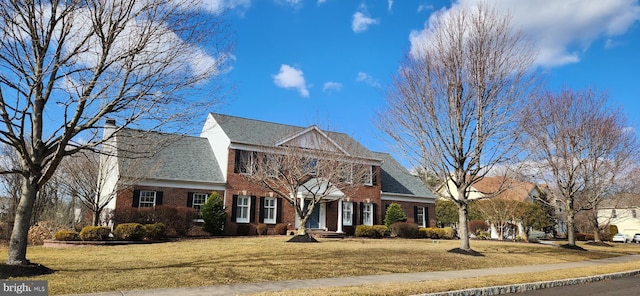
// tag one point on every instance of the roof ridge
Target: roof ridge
(281, 124)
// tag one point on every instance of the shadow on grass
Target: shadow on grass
(599, 244)
(466, 252)
(26, 270)
(573, 247)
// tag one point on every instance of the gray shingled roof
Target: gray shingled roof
(152, 155)
(264, 133)
(397, 179)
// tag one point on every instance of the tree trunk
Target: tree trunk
(18, 242)
(96, 218)
(571, 236)
(463, 228)
(302, 228)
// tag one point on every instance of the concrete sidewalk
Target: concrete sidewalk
(242, 289)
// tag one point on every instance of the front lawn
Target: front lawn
(205, 262)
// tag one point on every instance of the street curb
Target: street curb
(518, 288)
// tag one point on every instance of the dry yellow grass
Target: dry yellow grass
(256, 259)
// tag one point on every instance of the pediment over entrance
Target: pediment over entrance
(319, 186)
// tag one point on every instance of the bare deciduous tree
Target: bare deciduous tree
(66, 65)
(305, 177)
(452, 106)
(581, 147)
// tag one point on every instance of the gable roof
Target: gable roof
(511, 189)
(397, 179)
(263, 133)
(160, 156)
(621, 201)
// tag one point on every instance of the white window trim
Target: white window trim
(275, 210)
(143, 194)
(421, 214)
(194, 204)
(367, 208)
(239, 218)
(347, 213)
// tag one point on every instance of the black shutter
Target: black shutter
(252, 210)
(375, 212)
(158, 198)
(374, 175)
(237, 162)
(415, 215)
(354, 213)
(234, 208)
(261, 218)
(361, 213)
(136, 199)
(190, 199)
(279, 211)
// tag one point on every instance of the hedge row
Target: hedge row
(178, 220)
(124, 231)
(371, 231)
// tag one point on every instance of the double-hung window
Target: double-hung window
(147, 199)
(242, 209)
(347, 213)
(367, 214)
(198, 201)
(270, 210)
(368, 176)
(244, 161)
(421, 216)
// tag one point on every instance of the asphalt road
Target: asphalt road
(623, 286)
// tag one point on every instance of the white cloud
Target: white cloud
(320, 2)
(292, 3)
(389, 4)
(290, 77)
(368, 79)
(331, 86)
(561, 29)
(219, 6)
(424, 7)
(361, 20)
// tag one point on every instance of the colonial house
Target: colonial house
(623, 211)
(153, 169)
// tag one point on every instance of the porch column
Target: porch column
(339, 216)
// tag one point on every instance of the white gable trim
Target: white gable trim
(308, 130)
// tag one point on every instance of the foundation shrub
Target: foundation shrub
(613, 230)
(129, 232)
(483, 235)
(66, 235)
(448, 233)
(178, 220)
(94, 233)
(214, 214)
(374, 231)
(261, 229)
(394, 214)
(154, 231)
(404, 230)
(281, 229)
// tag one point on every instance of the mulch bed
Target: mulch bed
(466, 252)
(303, 239)
(27, 270)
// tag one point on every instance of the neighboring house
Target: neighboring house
(498, 187)
(623, 211)
(181, 171)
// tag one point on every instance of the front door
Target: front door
(314, 220)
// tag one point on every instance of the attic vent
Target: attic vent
(110, 121)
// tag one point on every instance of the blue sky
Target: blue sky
(330, 62)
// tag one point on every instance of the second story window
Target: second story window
(244, 162)
(368, 176)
